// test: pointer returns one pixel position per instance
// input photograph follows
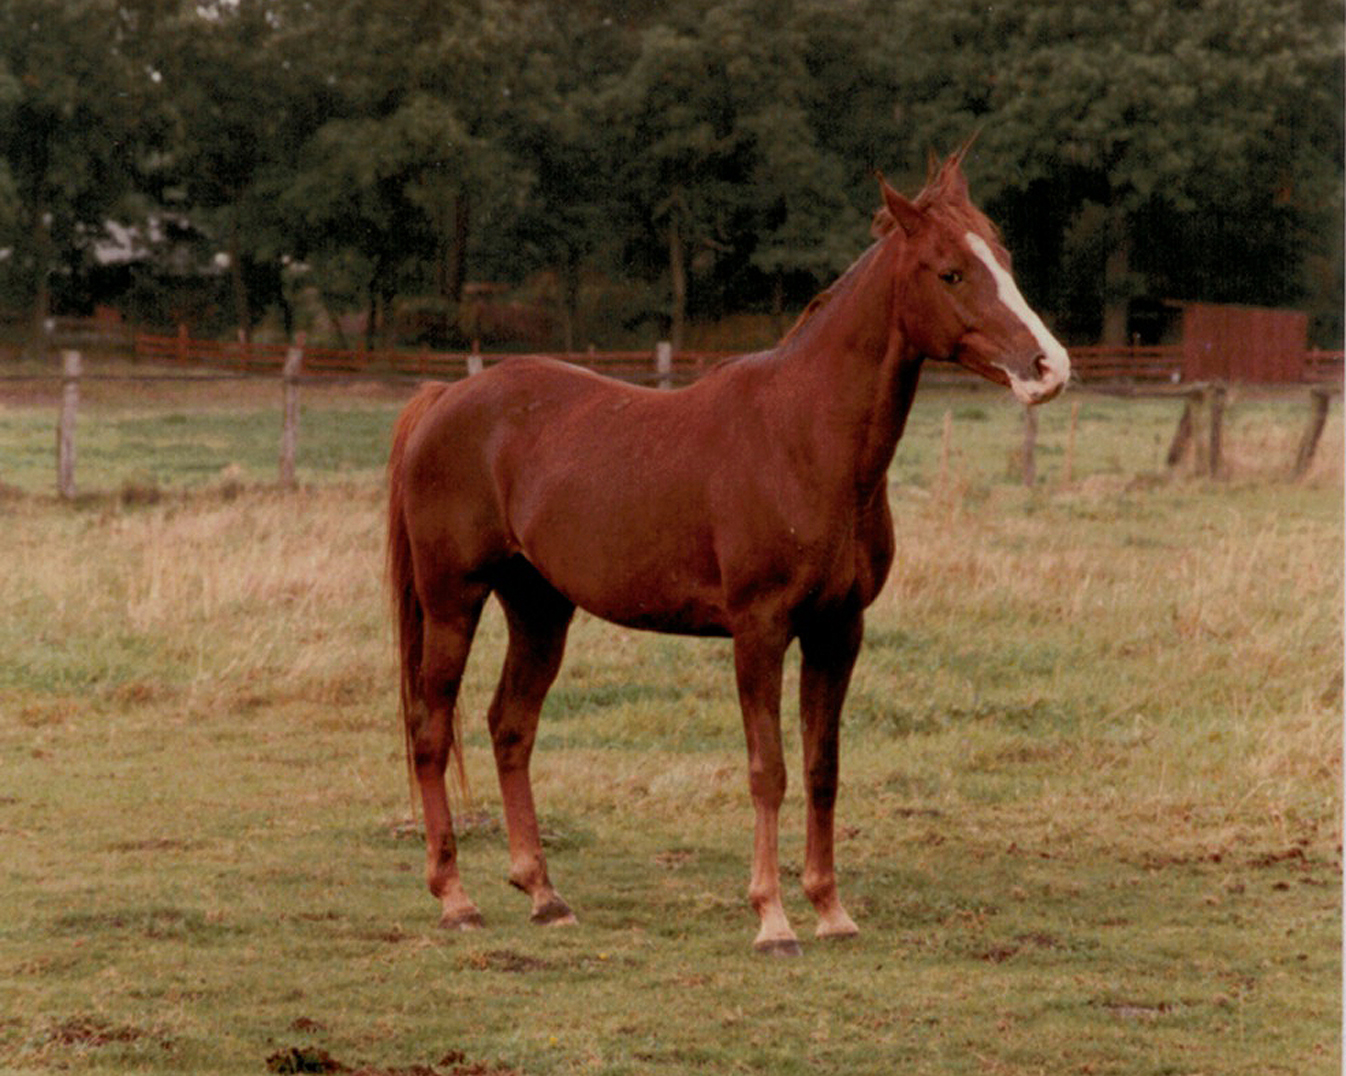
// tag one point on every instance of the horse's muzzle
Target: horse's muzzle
(1049, 376)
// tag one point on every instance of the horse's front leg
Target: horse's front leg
(828, 654)
(757, 662)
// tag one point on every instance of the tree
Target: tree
(417, 158)
(717, 153)
(1109, 131)
(240, 106)
(77, 103)
(723, 162)
(364, 202)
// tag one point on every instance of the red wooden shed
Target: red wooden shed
(1242, 343)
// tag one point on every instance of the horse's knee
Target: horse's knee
(818, 884)
(822, 790)
(766, 781)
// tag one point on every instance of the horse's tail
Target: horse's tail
(408, 613)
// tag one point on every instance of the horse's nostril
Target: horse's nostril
(1041, 368)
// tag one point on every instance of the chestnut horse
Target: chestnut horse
(751, 504)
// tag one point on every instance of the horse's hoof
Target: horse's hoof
(778, 947)
(469, 920)
(840, 933)
(555, 913)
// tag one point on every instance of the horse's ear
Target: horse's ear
(950, 181)
(952, 184)
(897, 211)
(933, 165)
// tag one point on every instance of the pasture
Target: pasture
(1090, 810)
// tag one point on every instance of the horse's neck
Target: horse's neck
(849, 377)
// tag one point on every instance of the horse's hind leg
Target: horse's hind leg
(447, 639)
(538, 618)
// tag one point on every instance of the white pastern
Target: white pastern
(1056, 363)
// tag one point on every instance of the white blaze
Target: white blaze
(1056, 363)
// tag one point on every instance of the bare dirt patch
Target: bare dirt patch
(156, 844)
(91, 1032)
(297, 1059)
(505, 960)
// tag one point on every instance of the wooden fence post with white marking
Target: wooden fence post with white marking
(663, 363)
(289, 434)
(72, 366)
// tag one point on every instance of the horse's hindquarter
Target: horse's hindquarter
(584, 477)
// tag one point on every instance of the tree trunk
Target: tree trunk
(240, 286)
(42, 256)
(570, 298)
(452, 269)
(1116, 283)
(371, 322)
(677, 272)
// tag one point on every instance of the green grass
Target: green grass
(1091, 772)
(134, 436)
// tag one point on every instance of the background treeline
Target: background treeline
(634, 167)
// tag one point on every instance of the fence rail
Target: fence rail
(1204, 403)
(1323, 367)
(1093, 365)
(641, 367)
(1105, 363)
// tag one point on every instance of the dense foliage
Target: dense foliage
(630, 164)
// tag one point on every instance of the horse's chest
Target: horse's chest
(844, 567)
(871, 554)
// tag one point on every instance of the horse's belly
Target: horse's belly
(691, 618)
(660, 585)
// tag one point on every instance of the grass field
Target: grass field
(1090, 813)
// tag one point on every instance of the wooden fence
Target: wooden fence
(1149, 371)
(1323, 367)
(1100, 365)
(659, 366)
(1103, 364)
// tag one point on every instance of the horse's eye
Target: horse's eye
(951, 276)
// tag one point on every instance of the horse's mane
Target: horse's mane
(944, 197)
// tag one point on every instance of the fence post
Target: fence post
(1070, 442)
(1185, 435)
(1217, 402)
(1319, 399)
(663, 363)
(289, 434)
(474, 363)
(945, 445)
(71, 368)
(1030, 446)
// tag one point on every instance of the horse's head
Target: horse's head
(958, 298)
